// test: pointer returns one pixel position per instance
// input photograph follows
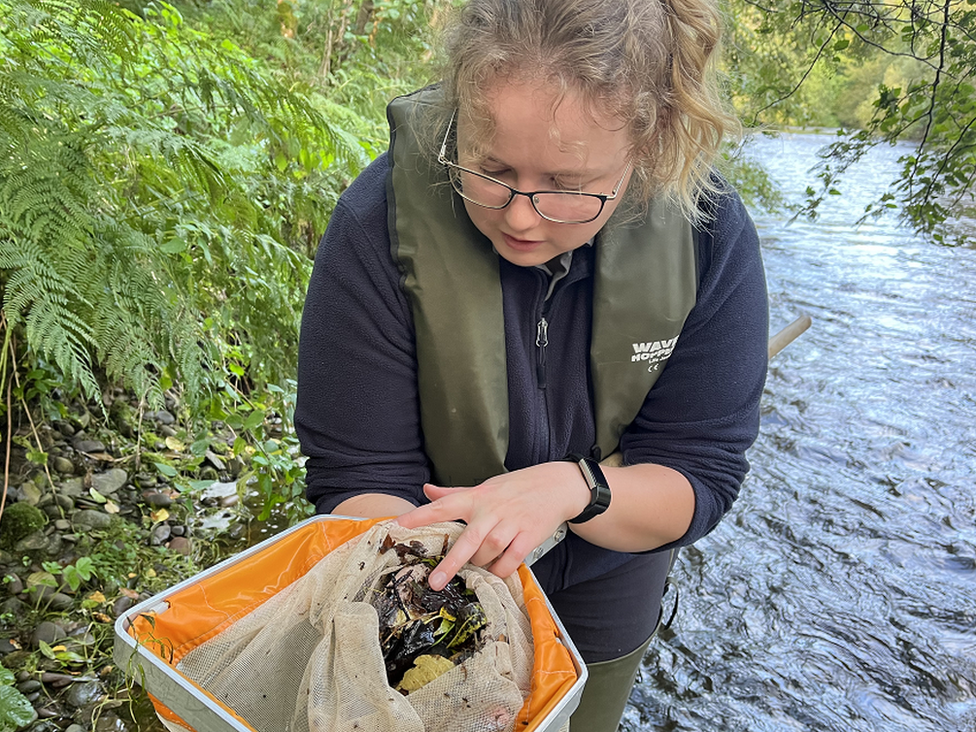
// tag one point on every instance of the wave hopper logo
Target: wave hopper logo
(654, 352)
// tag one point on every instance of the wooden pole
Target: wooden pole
(789, 334)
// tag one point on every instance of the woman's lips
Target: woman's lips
(522, 245)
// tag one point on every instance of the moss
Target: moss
(19, 520)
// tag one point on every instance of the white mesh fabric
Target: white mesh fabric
(309, 659)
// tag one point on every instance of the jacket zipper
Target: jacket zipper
(541, 341)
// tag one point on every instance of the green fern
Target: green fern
(159, 195)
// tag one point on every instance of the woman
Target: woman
(542, 271)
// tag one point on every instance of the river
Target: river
(840, 592)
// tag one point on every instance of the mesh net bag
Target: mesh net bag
(309, 658)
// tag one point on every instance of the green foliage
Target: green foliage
(73, 574)
(900, 70)
(159, 195)
(16, 711)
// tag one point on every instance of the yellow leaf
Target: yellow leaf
(102, 618)
(174, 444)
(159, 515)
(111, 507)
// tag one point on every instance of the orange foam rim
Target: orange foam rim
(205, 608)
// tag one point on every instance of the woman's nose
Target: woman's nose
(520, 214)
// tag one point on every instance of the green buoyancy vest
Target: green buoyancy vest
(645, 286)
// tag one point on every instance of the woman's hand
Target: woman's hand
(507, 516)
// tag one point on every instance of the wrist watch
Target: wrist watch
(599, 488)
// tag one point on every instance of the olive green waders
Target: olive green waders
(609, 683)
(606, 692)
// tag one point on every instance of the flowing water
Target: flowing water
(840, 592)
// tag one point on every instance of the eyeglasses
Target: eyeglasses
(561, 207)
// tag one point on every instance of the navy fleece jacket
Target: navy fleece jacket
(358, 413)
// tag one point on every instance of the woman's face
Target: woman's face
(539, 145)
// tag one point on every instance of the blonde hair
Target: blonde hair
(647, 62)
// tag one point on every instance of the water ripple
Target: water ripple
(840, 594)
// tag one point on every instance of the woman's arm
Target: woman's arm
(357, 414)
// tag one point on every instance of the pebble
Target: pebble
(73, 487)
(214, 460)
(162, 416)
(81, 694)
(56, 680)
(157, 499)
(62, 525)
(60, 602)
(161, 534)
(30, 493)
(110, 481)
(16, 585)
(31, 543)
(89, 446)
(121, 605)
(64, 428)
(29, 686)
(48, 632)
(92, 518)
(6, 646)
(181, 545)
(63, 465)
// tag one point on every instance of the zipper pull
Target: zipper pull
(541, 341)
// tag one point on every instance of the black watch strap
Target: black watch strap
(599, 488)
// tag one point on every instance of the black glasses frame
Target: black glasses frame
(513, 192)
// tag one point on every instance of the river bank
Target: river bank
(98, 525)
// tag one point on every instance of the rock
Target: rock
(214, 460)
(121, 605)
(58, 681)
(161, 534)
(53, 511)
(167, 431)
(181, 545)
(162, 416)
(62, 525)
(89, 446)
(109, 722)
(64, 428)
(72, 487)
(63, 465)
(83, 693)
(179, 530)
(92, 518)
(110, 481)
(7, 646)
(145, 480)
(16, 585)
(31, 493)
(75, 728)
(34, 543)
(48, 632)
(60, 602)
(157, 499)
(29, 686)
(14, 607)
